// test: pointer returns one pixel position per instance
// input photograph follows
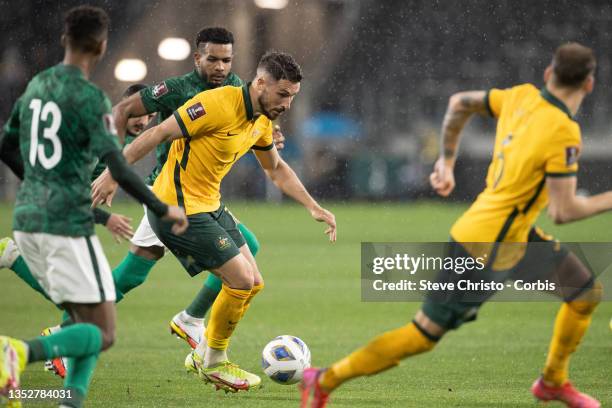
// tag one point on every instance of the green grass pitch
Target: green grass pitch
(312, 291)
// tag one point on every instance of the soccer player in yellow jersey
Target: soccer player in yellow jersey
(211, 132)
(534, 164)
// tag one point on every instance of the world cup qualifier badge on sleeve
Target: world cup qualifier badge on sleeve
(571, 155)
(160, 90)
(196, 111)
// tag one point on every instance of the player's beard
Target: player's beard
(270, 114)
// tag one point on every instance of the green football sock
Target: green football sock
(78, 377)
(212, 286)
(250, 239)
(22, 270)
(205, 297)
(77, 340)
(130, 273)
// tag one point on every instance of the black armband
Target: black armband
(100, 216)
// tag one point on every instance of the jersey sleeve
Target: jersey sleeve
(203, 114)
(9, 137)
(265, 142)
(494, 100)
(9, 142)
(562, 157)
(165, 95)
(100, 127)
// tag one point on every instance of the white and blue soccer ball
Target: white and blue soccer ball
(285, 358)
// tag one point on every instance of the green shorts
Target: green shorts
(211, 239)
(540, 262)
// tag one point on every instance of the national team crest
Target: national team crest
(195, 111)
(160, 90)
(223, 243)
(571, 155)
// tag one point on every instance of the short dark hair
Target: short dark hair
(215, 35)
(281, 66)
(572, 64)
(132, 89)
(86, 27)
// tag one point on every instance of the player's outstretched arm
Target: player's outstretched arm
(129, 107)
(103, 188)
(283, 176)
(565, 206)
(461, 107)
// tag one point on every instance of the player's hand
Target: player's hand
(322, 215)
(103, 189)
(177, 215)
(279, 139)
(442, 179)
(119, 226)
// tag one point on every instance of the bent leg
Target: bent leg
(384, 352)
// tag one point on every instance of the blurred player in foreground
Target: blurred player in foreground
(57, 130)
(534, 164)
(118, 225)
(211, 132)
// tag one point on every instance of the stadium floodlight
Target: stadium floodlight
(130, 70)
(272, 4)
(174, 49)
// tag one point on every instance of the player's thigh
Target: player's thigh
(70, 269)
(205, 245)
(236, 273)
(547, 260)
(229, 223)
(257, 276)
(444, 310)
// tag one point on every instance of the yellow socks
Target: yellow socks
(382, 353)
(573, 320)
(225, 314)
(256, 289)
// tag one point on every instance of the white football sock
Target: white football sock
(214, 356)
(201, 349)
(187, 318)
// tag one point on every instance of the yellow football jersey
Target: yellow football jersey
(218, 128)
(536, 138)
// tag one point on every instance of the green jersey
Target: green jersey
(63, 124)
(168, 96)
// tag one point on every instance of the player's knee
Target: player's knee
(108, 338)
(153, 253)
(428, 327)
(243, 276)
(587, 302)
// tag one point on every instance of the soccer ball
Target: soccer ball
(284, 359)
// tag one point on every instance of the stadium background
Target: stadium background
(362, 134)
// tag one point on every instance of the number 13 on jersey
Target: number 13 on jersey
(37, 150)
